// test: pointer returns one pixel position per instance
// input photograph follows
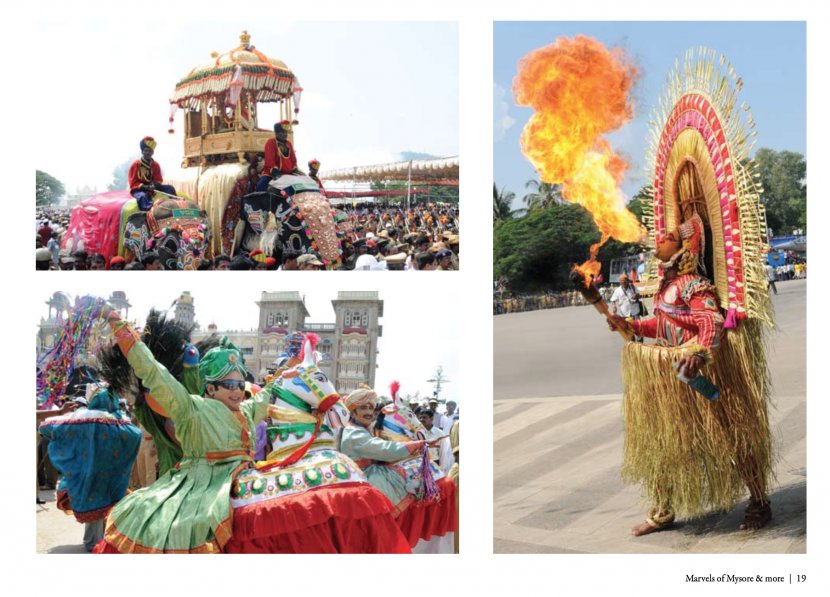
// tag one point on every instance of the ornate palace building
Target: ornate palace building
(348, 346)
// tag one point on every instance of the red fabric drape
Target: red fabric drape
(347, 518)
(431, 519)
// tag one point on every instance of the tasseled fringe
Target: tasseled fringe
(429, 490)
(687, 452)
(215, 190)
(731, 321)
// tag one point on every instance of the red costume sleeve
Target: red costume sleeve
(708, 319)
(155, 171)
(132, 176)
(270, 156)
(647, 328)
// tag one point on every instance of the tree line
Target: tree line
(536, 244)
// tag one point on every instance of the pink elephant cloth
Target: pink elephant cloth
(95, 224)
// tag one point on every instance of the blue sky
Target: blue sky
(770, 57)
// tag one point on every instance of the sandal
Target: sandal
(758, 514)
(653, 523)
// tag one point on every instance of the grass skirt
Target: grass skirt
(688, 453)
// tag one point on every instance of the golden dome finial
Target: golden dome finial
(245, 39)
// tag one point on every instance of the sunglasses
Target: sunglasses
(231, 385)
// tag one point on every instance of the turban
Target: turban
(283, 125)
(147, 142)
(360, 396)
(219, 362)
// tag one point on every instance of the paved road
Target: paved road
(558, 441)
(57, 532)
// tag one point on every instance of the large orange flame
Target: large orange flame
(579, 90)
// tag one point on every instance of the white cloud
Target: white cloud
(502, 121)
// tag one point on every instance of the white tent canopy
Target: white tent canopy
(414, 171)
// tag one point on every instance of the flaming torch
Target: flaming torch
(593, 297)
(579, 91)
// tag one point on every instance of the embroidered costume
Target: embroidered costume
(308, 497)
(94, 449)
(285, 161)
(188, 509)
(146, 172)
(396, 463)
(688, 452)
(278, 161)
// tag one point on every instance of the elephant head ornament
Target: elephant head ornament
(292, 215)
(176, 229)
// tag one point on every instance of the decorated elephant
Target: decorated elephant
(96, 224)
(292, 215)
(176, 229)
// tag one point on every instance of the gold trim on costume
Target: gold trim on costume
(290, 415)
(703, 73)
(280, 453)
(690, 148)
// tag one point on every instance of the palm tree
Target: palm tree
(542, 195)
(502, 202)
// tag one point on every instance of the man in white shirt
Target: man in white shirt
(438, 419)
(626, 301)
(450, 418)
(441, 454)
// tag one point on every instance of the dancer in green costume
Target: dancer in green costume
(188, 509)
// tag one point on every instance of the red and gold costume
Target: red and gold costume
(284, 162)
(146, 171)
(142, 173)
(691, 453)
(685, 308)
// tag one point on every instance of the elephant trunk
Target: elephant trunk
(316, 211)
